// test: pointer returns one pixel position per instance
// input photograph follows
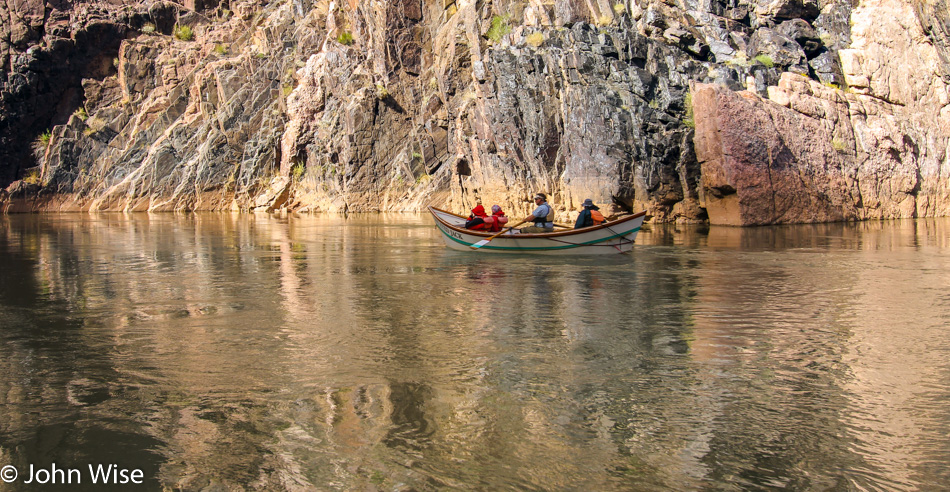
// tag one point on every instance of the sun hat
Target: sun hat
(588, 202)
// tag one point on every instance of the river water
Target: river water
(219, 352)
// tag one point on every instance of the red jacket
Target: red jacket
(498, 218)
(478, 211)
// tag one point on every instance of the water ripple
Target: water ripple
(358, 353)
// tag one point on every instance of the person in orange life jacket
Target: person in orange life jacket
(476, 221)
(590, 216)
(540, 216)
(499, 218)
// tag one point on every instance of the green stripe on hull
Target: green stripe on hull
(543, 248)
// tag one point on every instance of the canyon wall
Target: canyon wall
(728, 111)
(875, 148)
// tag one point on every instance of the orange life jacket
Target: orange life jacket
(597, 217)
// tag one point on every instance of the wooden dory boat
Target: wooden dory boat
(609, 237)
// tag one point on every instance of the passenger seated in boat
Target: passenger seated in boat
(543, 216)
(590, 216)
(476, 221)
(498, 219)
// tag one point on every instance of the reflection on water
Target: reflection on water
(332, 353)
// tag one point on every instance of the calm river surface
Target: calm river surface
(220, 352)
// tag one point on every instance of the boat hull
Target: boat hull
(609, 238)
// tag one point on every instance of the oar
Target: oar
(485, 241)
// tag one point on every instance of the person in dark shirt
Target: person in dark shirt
(590, 216)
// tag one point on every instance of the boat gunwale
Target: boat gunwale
(537, 235)
(596, 242)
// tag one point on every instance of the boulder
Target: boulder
(827, 68)
(780, 49)
(779, 10)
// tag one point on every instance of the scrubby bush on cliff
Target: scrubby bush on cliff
(838, 145)
(345, 38)
(765, 60)
(688, 102)
(42, 143)
(535, 39)
(32, 178)
(183, 33)
(831, 85)
(297, 170)
(499, 27)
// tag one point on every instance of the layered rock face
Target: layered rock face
(685, 110)
(46, 49)
(816, 153)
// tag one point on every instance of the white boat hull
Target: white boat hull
(609, 238)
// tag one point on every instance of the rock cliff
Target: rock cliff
(729, 111)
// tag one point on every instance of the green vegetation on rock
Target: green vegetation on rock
(183, 33)
(765, 60)
(499, 27)
(297, 170)
(44, 138)
(688, 102)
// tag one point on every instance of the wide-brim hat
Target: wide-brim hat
(588, 202)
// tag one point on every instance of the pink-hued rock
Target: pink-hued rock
(812, 153)
(824, 156)
(763, 163)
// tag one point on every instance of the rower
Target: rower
(543, 216)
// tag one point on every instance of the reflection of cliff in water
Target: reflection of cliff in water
(781, 323)
(63, 398)
(346, 353)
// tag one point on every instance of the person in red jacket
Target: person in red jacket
(476, 221)
(498, 218)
